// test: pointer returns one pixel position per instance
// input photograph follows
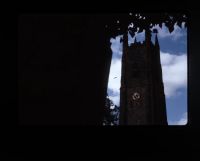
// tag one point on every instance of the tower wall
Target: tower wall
(142, 99)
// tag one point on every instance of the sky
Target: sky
(173, 55)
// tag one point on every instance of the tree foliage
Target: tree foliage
(111, 116)
(137, 22)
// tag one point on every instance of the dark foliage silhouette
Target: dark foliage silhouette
(111, 113)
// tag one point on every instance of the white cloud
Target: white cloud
(175, 35)
(116, 46)
(174, 69)
(182, 121)
(115, 70)
(115, 75)
(140, 37)
(114, 80)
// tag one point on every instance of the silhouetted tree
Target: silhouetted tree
(111, 113)
(120, 24)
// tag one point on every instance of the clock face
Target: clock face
(135, 96)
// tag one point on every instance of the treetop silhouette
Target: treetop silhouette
(137, 22)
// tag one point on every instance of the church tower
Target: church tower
(142, 98)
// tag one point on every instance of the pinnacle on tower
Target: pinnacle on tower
(135, 40)
(147, 36)
(156, 42)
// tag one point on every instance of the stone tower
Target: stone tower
(142, 99)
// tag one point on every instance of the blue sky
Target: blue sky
(173, 54)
